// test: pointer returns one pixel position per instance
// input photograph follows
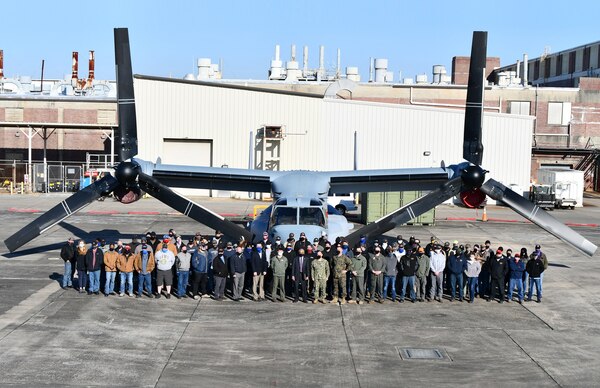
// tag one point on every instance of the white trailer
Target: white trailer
(568, 185)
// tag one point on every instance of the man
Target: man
(422, 273)
(437, 265)
(213, 251)
(485, 257)
(376, 268)
(164, 275)
(237, 269)
(320, 274)
(300, 271)
(94, 259)
(409, 264)
(220, 273)
(391, 271)
(279, 265)
(517, 267)
(265, 239)
(341, 265)
(457, 264)
(537, 253)
(498, 271)
(359, 265)
(472, 272)
(67, 253)
(144, 264)
(200, 265)
(182, 262)
(535, 269)
(110, 269)
(125, 266)
(259, 266)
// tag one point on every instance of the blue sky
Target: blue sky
(168, 37)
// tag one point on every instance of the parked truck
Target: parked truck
(566, 184)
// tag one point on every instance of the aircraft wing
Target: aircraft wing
(405, 179)
(213, 178)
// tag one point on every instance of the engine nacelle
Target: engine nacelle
(127, 195)
(472, 198)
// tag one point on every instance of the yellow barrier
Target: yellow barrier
(259, 207)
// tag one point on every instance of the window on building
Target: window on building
(536, 69)
(559, 113)
(559, 65)
(547, 66)
(572, 62)
(586, 58)
(519, 108)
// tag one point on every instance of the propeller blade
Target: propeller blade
(66, 208)
(409, 211)
(538, 216)
(472, 145)
(125, 97)
(191, 209)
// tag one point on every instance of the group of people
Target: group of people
(321, 270)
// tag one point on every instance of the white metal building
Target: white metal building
(203, 123)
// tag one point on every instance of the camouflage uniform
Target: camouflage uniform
(340, 263)
(320, 274)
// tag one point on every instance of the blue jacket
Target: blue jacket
(516, 269)
(457, 264)
(199, 262)
(237, 264)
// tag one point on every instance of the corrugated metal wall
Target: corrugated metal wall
(320, 131)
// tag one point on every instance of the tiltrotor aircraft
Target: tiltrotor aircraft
(299, 197)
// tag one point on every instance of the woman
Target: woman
(80, 263)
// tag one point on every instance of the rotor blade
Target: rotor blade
(61, 211)
(472, 145)
(191, 209)
(409, 211)
(535, 214)
(126, 100)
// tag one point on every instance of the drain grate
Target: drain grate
(423, 354)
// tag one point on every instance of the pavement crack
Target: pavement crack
(349, 347)
(532, 359)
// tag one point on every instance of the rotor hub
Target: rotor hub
(127, 173)
(473, 176)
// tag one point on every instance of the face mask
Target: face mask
(377, 251)
(258, 249)
(401, 250)
(302, 238)
(81, 245)
(384, 245)
(111, 249)
(438, 250)
(288, 249)
(165, 250)
(279, 253)
(472, 257)
(363, 240)
(248, 249)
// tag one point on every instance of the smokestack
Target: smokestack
(276, 52)
(371, 69)
(305, 61)
(91, 66)
(1, 64)
(525, 64)
(293, 52)
(74, 75)
(518, 68)
(322, 61)
(339, 55)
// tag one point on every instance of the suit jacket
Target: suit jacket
(258, 262)
(298, 271)
(220, 268)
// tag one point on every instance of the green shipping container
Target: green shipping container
(376, 205)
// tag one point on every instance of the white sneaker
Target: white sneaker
(121, 294)
(130, 294)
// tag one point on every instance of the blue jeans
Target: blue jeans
(511, 286)
(94, 281)
(541, 282)
(389, 280)
(67, 281)
(472, 283)
(82, 276)
(126, 276)
(144, 278)
(453, 278)
(538, 286)
(109, 287)
(182, 282)
(410, 281)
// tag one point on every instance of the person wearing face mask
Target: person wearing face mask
(485, 257)
(200, 264)
(457, 264)
(279, 266)
(517, 267)
(94, 260)
(125, 267)
(472, 273)
(301, 243)
(237, 269)
(390, 273)
(409, 265)
(220, 272)
(110, 269)
(538, 254)
(323, 240)
(436, 266)
(67, 253)
(319, 275)
(422, 273)
(341, 264)
(300, 271)
(359, 265)
(376, 267)
(525, 258)
(165, 259)
(498, 271)
(80, 253)
(535, 269)
(258, 265)
(182, 265)
(144, 264)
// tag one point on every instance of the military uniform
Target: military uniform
(279, 266)
(377, 263)
(320, 274)
(340, 264)
(359, 265)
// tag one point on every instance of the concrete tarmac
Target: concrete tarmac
(55, 337)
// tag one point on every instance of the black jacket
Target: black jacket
(498, 267)
(237, 263)
(67, 253)
(220, 267)
(535, 268)
(303, 271)
(258, 262)
(409, 265)
(89, 259)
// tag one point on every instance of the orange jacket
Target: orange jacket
(110, 261)
(137, 263)
(125, 263)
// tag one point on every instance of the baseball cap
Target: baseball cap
(498, 252)
(537, 246)
(166, 241)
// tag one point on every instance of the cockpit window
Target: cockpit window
(312, 216)
(284, 216)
